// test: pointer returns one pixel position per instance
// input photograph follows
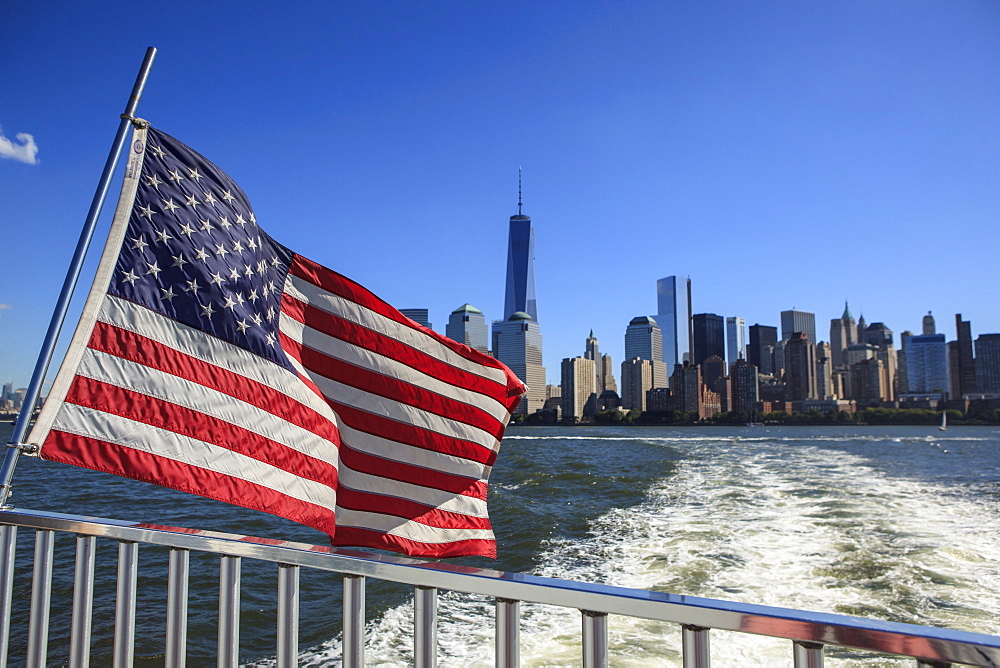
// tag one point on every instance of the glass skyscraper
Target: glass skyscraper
(467, 325)
(673, 315)
(520, 294)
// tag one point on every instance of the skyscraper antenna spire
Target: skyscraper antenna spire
(519, 190)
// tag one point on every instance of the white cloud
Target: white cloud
(23, 149)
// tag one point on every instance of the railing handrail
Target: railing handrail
(912, 640)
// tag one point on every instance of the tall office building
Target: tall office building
(798, 321)
(709, 336)
(927, 325)
(673, 315)
(964, 376)
(763, 339)
(520, 294)
(800, 368)
(607, 374)
(988, 363)
(878, 335)
(467, 325)
(593, 352)
(519, 346)
(637, 379)
(843, 333)
(644, 340)
(736, 339)
(418, 315)
(745, 387)
(579, 398)
(927, 364)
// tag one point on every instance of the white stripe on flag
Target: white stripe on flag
(132, 435)
(397, 451)
(442, 500)
(408, 529)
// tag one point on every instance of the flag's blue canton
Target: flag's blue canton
(193, 251)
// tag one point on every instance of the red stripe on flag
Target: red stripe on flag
(142, 350)
(410, 434)
(345, 330)
(371, 502)
(100, 455)
(178, 419)
(390, 388)
(354, 536)
(363, 462)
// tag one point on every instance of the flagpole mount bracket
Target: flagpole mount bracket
(25, 448)
(140, 123)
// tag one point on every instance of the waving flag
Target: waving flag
(213, 360)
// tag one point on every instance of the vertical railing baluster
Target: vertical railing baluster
(425, 608)
(178, 568)
(8, 543)
(694, 640)
(807, 654)
(508, 633)
(354, 621)
(83, 602)
(595, 639)
(41, 594)
(229, 612)
(288, 616)
(128, 571)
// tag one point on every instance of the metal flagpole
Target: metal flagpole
(16, 446)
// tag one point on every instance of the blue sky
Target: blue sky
(781, 154)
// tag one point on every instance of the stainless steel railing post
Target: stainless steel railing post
(229, 612)
(425, 604)
(694, 640)
(807, 654)
(83, 602)
(41, 594)
(354, 621)
(128, 571)
(595, 639)
(508, 633)
(178, 568)
(288, 615)
(8, 543)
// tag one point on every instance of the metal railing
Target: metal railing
(808, 632)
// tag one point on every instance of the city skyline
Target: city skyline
(781, 156)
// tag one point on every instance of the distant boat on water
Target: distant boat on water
(944, 421)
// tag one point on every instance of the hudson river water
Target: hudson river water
(896, 523)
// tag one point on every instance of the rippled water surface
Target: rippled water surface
(897, 523)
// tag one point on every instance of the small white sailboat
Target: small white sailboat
(944, 421)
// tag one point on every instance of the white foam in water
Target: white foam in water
(756, 521)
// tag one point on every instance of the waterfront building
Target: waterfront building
(824, 380)
(658, 400)
(418, 315)
(888, 355)
(467, 325)
(592, 351)
(800, 368)
(519, 346)
(736, 339)
(927, 324)
(709, 332)
(520, 287)
(673, 315)
(761, 351)
(579, 396)
(637, 380)
(964, 370)
(988, 363)
(927, 363)
(843, 333)
(798, 321)
(712, 369)
(643, 339)
(745, 394)
(608, 375)
(685, 388)
(870, 386)
(877, 334)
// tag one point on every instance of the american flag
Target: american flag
(213, 360)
